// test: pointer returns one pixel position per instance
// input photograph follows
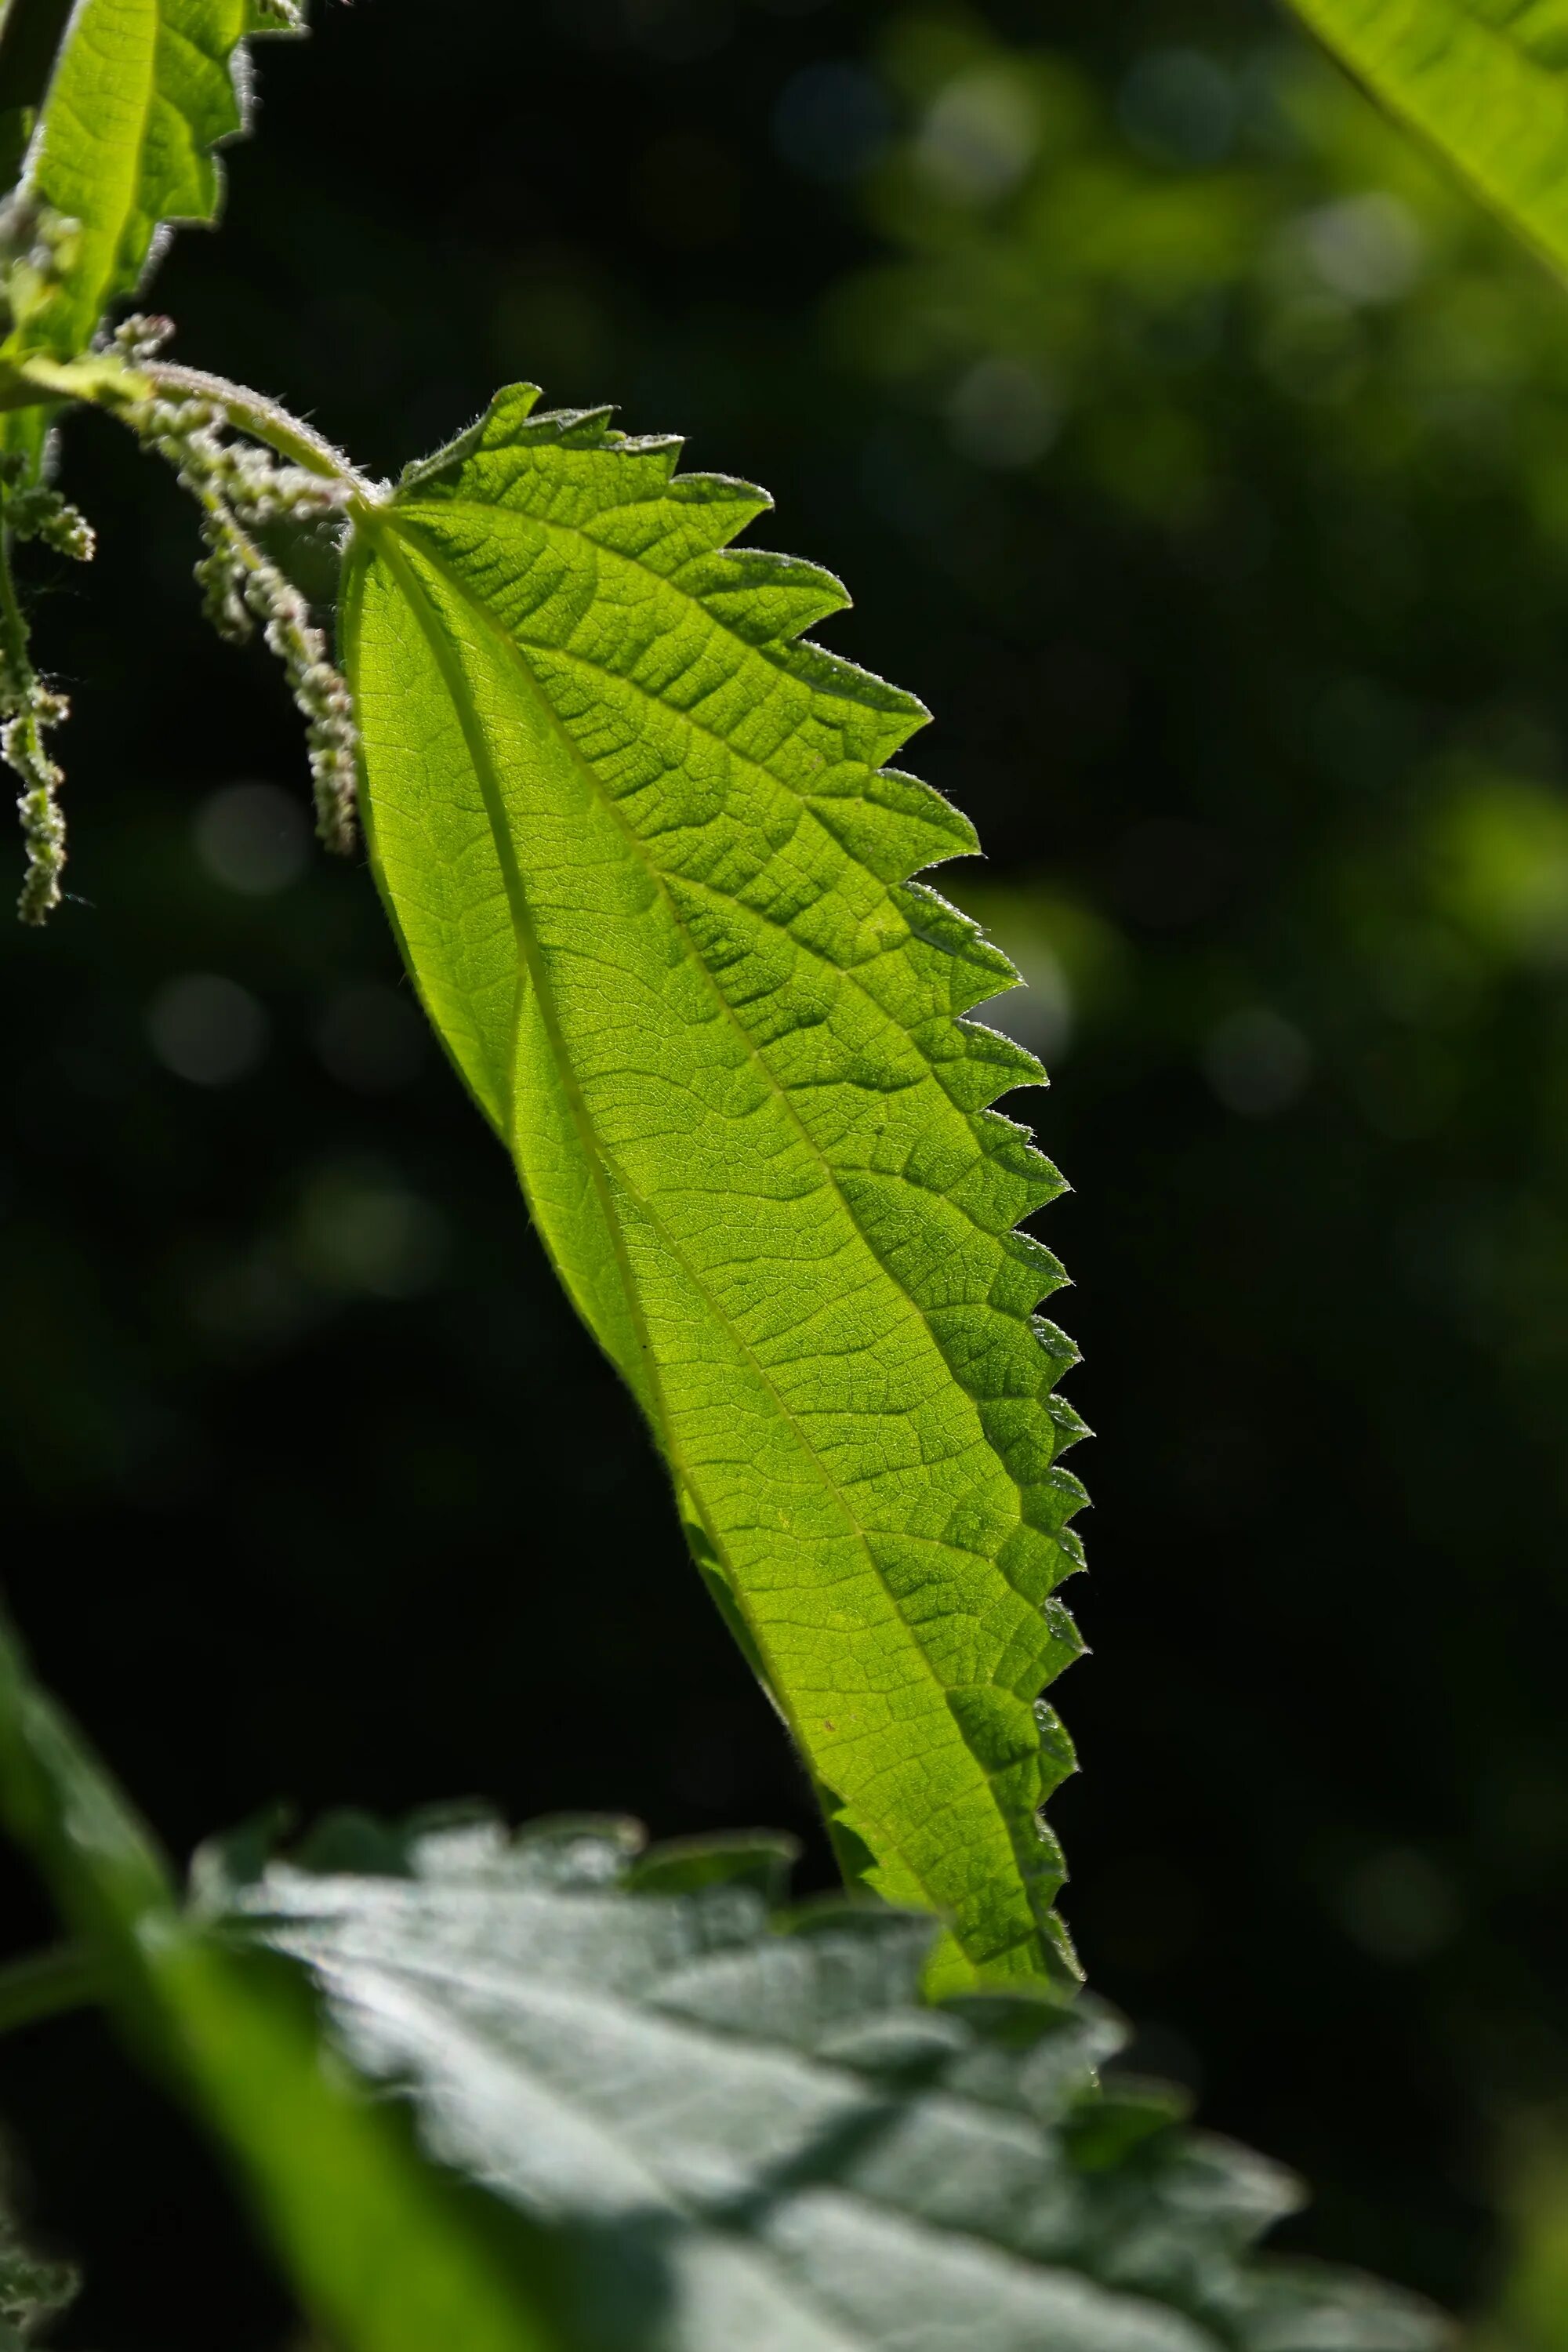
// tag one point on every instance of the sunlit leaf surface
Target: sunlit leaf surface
(652, 876)
(141, 94)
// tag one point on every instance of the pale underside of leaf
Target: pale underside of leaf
(764, 2140)
(651, 876)
(142, 94)
(1485, 81)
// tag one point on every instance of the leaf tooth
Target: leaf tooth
(588, 429)
(979, 967)
(1070, 1424)
(1056, 1740)
(1055, 1498)
(876, 719)
(763, 598)
(695, 517)
(988, 1064)
(726, 502)
(890, 823)
(1055, 1344)
(1070, 1543)
(1026, 1273)
(1030, 1660)
(1035, 1559)
(426, 476)
(1013, 1151)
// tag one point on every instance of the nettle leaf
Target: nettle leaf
(752, 2131)
(1484, 80)
(388, 2255)
(141, 94)
(652, 876)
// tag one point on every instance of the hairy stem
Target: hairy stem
(45, 1984)
(263, 420)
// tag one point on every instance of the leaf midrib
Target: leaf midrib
(383, 538)
(383, 529)
(811, 804)
(517, 652)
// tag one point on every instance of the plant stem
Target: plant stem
(44, 1984)
(263, 420)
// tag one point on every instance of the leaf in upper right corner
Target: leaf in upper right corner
(1485, 81)
(142, 93)
(750, 2131)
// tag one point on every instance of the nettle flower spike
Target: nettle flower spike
(240, 487)
(28, 708)
(34, 510)
(32, 708)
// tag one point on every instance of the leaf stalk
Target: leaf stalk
(47, 1984)
(264, 420)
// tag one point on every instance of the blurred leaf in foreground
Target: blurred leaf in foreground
(752, 2129)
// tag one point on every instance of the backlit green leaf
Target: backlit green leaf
(753, 2134)
(652, 876)
(1485, 81)
(142, 93)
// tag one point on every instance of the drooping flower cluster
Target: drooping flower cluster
(239, 488)
(27, 706)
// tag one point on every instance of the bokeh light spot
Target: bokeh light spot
(207, 1029)
(980, 136)
(253, 839)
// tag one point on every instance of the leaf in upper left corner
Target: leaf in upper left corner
(142, 94)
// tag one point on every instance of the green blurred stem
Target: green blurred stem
(13, 650)
(45, 1984)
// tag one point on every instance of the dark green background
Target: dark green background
(1224, 529)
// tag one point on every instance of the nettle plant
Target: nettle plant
(652, 877)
